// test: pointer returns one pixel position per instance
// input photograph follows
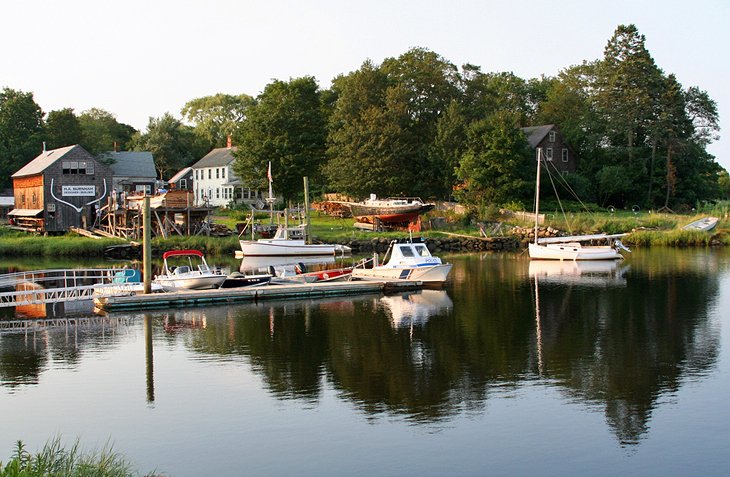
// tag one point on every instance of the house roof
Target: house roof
(218, 157)
(131, 164)
(44, 160)
(180, 174)
(535, 134)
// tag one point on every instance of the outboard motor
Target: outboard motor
(620, 246)
(300, 268)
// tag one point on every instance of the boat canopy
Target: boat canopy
(579, 238)
(174, 253)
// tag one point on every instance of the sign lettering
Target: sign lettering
(78, 191)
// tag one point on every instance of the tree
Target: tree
(285, 126)
(494, 168)
(171, 143)
(102, 132)
(63, 128)
(21, 129)
(217, 117)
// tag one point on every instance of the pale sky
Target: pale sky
(142, 58)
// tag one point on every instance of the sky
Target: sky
(143, 58)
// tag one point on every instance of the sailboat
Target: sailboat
(571, 247)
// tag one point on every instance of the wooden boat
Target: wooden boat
(704, 224)
(193, 274)
(288, 241)
(408, 261)
(392, 209)
(571, 248)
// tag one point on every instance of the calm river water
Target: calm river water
(514, 368)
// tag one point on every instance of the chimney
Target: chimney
(44, 146)
(228, 141)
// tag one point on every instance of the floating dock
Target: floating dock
(248, 294)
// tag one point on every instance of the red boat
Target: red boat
(392, 209)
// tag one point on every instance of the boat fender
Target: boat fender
(325, 275)
(300, 268)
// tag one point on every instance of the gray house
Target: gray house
(554, 148)
(183, 180)
(132, 171)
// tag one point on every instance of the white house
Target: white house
(214, 182)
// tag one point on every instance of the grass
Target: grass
(55, 460)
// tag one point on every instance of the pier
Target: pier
(250, 294)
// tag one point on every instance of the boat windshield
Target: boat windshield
(406, 251)
(422, 250)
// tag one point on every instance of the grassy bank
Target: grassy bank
(55, 460)
(646, 229)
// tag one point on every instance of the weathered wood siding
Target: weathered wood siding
(60, 208)
(558, 145)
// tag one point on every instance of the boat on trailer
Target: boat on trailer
(392, 209)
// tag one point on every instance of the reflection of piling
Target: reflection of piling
(149, 361)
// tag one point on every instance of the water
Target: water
(513, 369)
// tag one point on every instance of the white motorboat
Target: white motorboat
(571, 248)
(288, 241)
(702, 225)
(408, 261)
(192, 274)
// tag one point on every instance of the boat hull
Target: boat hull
(190, 283)
(425, 273)
(401, 213)
(573, 251)
(283, 248)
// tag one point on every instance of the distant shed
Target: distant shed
(132, 171)
(60, 188)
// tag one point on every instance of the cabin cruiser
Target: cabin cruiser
(408, 261)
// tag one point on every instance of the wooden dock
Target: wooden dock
(247, 294)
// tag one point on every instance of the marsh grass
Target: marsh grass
(55, 460)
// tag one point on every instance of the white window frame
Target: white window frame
(552, 136)
(549, 153)
(565, 155)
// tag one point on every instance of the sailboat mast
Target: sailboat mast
(537, 193)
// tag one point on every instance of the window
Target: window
(407, 251)
(552, 136)
(196, 174)
(422, 250)
(565, 155)
(76, 167)
(217, 173)
(246, 193)
(217, 193)
(223, 172)
(549, 153)
(183, 184)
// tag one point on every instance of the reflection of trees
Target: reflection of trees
(623, 347)
(21, 362)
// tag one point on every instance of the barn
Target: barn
(59, 189)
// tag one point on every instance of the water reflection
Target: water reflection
(616, 337)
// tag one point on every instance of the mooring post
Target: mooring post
(147, 246)
(306, 210)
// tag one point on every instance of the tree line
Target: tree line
(419, 125)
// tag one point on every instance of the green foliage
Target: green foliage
(217, 117)
(101, 131)
(21, 127)
(63, 129)
(172, 144)
(55, 460)
(285, 126)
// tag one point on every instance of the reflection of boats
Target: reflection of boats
(416, 307)
(392, 209)
(408, 261)
(702, 225)
(193, 274)
(288, 241)
(584, 272)
(570, 248)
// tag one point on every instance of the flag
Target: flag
(268, 173)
